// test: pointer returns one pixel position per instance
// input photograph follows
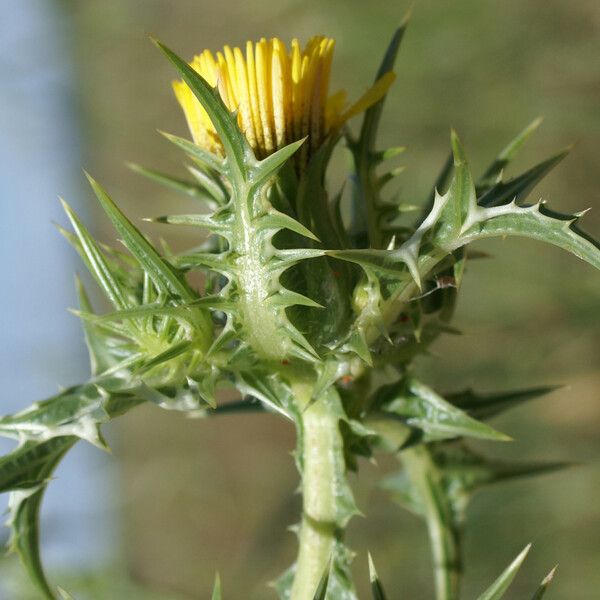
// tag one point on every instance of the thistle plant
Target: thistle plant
(313, 304)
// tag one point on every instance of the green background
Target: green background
(201, 496)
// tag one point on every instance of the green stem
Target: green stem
(441, 521)
(321, 462)
(254, 280)
(368, 189)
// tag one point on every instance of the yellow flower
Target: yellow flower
(280, 95)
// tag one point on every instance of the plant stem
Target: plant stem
(441, 519)
(321, 458)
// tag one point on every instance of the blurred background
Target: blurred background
(82, 86)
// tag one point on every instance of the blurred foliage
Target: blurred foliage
(90, 586)
(484, 67)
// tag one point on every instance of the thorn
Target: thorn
(407, 15)
(570, 147)
(64, 204)
(583, 212)
(547, 580)
(372, 572)
(538, 121)
(384, 332)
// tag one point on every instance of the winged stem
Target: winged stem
(437, 511)
(321, 460)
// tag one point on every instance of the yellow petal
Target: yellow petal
(335, 105)
(278, 92)
(245, 108)
(370, 97)
(253, 92)
(232, 73)
(297, 89)
(209, 67)
(263, 83)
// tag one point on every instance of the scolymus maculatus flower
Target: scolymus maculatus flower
(281, 95)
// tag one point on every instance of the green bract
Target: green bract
(310, 314)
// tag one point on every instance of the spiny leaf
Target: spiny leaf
(373, 114)
(187, 187)
(366, 213)
(26, 471)
(541, 591)
(166, 356)
(227, 337)
(204, 386)
(211, 183)
(209, 222)
(321, 592)
(267, 389)
(64, 594)
(534, 222)
(485, 406)
(498, 588)
(236, 147)
(441, 182)
(419, 406)
(287, 298)
(205, 260)
(77, 411)
(384, 179)
(97, 263)
(24, 466)
(161, 272)
(277, 220)
(284, 259)
(461, 198)
(389, 153)
(340, 578)
(216, 595)
(182, 312)
(466, 470)
(247, 405)
(307, 352)
(376, 587)
(392, 263)
(205, 157)
(357, 343)
(518, 189)
(337, 220)
(269, 166)
(98, 349)
(488, 179)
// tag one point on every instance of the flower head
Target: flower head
(281, 95)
